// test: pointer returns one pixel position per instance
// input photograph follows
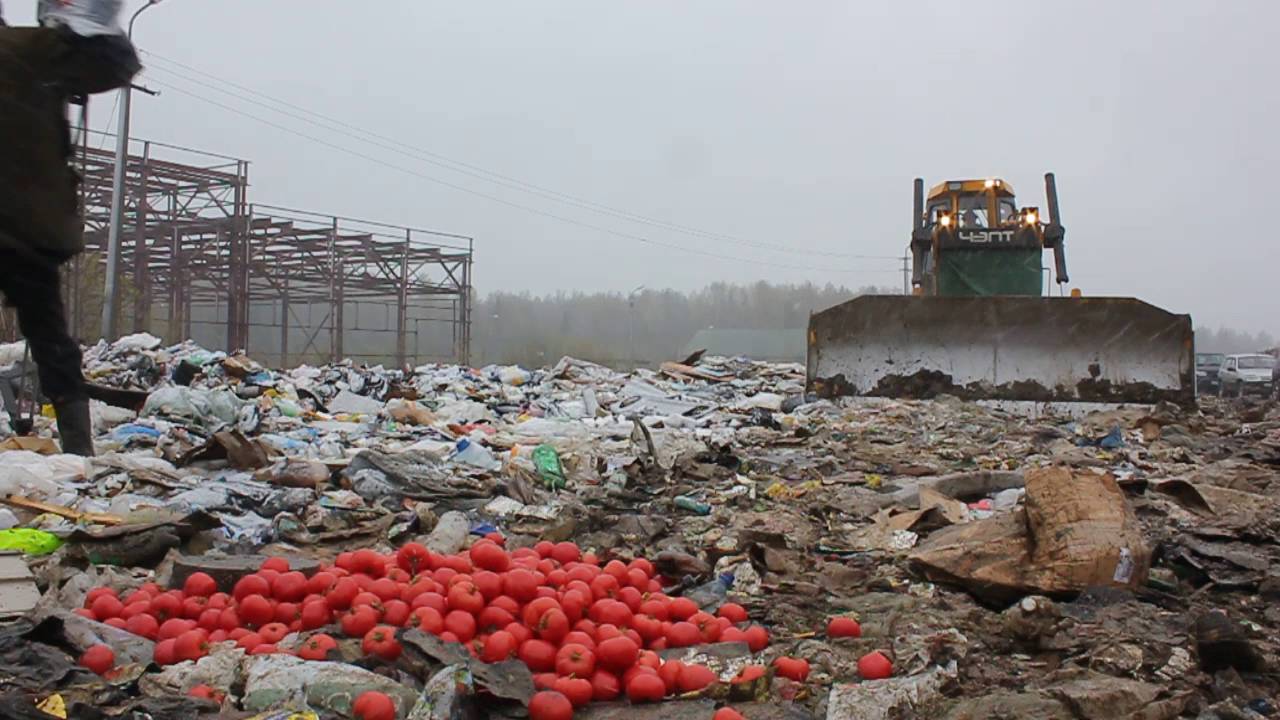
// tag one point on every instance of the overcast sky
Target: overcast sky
(788, 131)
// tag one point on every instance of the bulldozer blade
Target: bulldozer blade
(1104, 350)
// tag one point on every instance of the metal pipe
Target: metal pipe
(1051, 195)
(918, 205)
(109, 290)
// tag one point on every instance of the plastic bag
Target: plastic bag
(31, 542)
(86, 18)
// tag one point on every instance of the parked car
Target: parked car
(1207, 366)
(1246, 374)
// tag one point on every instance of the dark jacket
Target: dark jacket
(41, 69)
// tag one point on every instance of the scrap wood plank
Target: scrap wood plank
(63, 511)
(688, 371)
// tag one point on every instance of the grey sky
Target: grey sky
(798, 124)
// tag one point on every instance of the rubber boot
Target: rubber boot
(75, 427)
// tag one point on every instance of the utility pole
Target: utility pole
(110, 289)
(631, 324)
(906, 275)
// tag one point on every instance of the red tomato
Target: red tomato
(748, 674)
(757, 638)
(637, 579)
(727, 713)
(874, 666)
(106, 606)
(574, 659)
(695, 677)
(584, 639)
(279, 564)
(520, 584)
(256, 610)
(321, 583)
(733, 611)
(287, 612)
(488, 583)
(535, 609)
(228, 619)
(413, 558)
(645, 687)
(681, 608)
(843, 627)
(550, 705)
(236, 634)
(373, 705)
(519, 632)
(618, 653)
(173, 627)
(345, 562)
(670, 674)
(646, 627)
(143, 625)
(604, 586)
(250, 641)
(395, 612)
(683, 634)
(489, 556)
(732, 634)
(553, 625)
(605, 686)
(707, 626)
(432, 600)
(617, 569)
(209, 619)
(289, 586)
(792, 668)
(458, 563)
(98, 659)
(217, 636)
(539, 655)
(649, 659)
(426, 619)
(498, 647)
(250, 585)
(584, 574)
(191, 645)
(193, 606)
(115, 622)
(381, 642)
(465, 596)
(544, 548)
(565, 553)
(654, 608)
(616, 613)
(544, 681)
(585, 626)
(317, 647)
(631, 597)
(357, 622)
(368, 599)
(273, 633)
(385, 588)
(578, 690)
(343, 593)
(142, 607)
(98, 592)
(315, 614)
(163, 653)
(200, 584)
(494, 618)
(265, 649)
(461, 624)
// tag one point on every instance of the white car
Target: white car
(1242, 374)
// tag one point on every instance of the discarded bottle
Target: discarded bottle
(547, 461)
(712, 594)
(469, 453)
(684, 502)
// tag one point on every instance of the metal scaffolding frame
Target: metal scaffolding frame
(192, 241)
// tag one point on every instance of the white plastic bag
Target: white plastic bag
(85, 18)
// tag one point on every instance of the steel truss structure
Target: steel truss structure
(197, 258)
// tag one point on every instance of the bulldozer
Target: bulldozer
(980, 323)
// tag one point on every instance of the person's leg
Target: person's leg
(31, 287)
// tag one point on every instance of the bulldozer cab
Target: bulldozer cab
(971, 239)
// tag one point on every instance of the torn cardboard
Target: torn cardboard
(1076, 532)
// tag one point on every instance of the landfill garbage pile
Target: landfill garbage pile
(702, 540)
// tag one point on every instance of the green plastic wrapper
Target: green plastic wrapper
(547, 461)
(31, 542)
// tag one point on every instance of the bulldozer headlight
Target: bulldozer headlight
(945, 220)
(1030, 217)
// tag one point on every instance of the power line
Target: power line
(494, 198)
(363, 135)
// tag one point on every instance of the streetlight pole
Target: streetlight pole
(109, 290)
(631, 324)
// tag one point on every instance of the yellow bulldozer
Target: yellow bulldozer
(980, 323)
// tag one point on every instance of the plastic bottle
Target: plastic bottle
(470, 453)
